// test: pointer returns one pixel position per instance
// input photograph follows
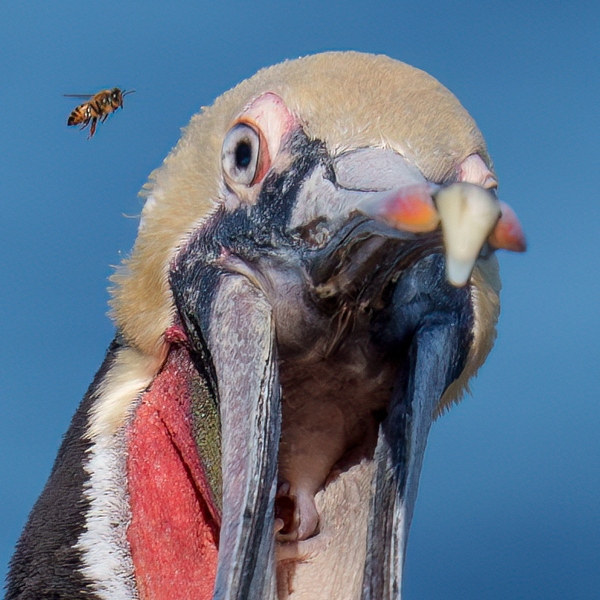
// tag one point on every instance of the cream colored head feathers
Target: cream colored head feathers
(346, 99)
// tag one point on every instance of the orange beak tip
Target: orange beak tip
(410, 209)
(508, 233)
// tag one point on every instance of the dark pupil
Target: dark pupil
(243, 155)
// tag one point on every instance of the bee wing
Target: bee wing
(85, 96)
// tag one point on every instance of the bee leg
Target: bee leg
(93, 128)
(104, 117)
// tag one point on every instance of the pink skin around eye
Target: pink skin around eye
(474, 170)
(272, 119)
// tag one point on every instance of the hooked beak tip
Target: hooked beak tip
(407, 208)
(468, 214)
(508, 233)
(458, 272)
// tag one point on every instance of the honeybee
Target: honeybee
(97, 107)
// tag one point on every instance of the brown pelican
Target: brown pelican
(314, 281)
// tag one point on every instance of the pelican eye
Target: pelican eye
(243, 155)
(240, 154)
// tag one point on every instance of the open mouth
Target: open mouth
(329, 306)
(351, 385)
(349, 345)
(337, 395)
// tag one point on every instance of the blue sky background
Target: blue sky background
(509, 500)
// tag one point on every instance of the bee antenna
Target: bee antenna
(128, 92)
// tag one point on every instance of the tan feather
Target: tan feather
(346, 99)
